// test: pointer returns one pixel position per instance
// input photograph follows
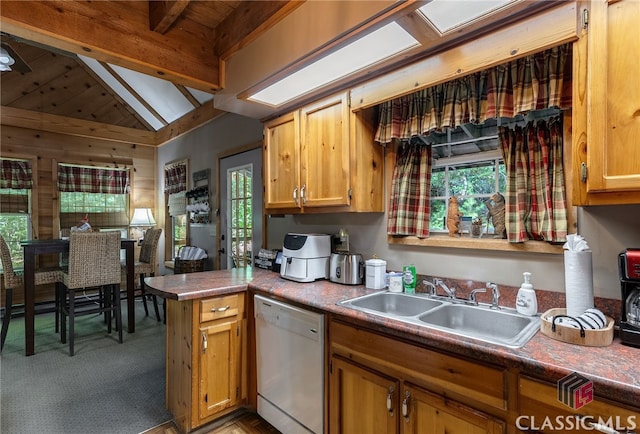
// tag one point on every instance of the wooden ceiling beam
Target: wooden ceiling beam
(118, 32)
(188, 122)
(163, 13)
(248, 21)
(74, 127)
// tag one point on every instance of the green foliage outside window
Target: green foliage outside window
(473, 184)
(15, 228)
(71, 202)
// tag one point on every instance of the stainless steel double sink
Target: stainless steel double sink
(503, 326)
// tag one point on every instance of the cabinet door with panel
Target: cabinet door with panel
(426, 412)
(219, 385)
(362, 400)
(282, 162)
(607, 105)
(324, 130)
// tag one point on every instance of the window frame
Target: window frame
(491, 159)
(486, 243)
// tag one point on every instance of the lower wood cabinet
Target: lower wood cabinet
(204, 358)
(362, 400)
(366, 401)
(540, 410)
(380, 385)
(423, 411)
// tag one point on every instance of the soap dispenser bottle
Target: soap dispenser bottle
(526, 302)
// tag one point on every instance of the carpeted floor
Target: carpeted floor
(106, 387)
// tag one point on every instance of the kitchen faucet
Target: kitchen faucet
(451, 292)
(431, 286)
(495, 292)
(472, 295)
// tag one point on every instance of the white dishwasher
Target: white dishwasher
(290, 366)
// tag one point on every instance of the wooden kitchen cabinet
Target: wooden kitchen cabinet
(379, 384)
(367, 401)
(428, 412)
(362, 400)
(541, 410)
(204, 358)
(606, 106)
(322, 158)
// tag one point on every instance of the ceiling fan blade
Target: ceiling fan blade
(20, 65)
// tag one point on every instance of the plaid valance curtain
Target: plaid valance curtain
(409, 205)
(535, 196)
(539, 81)
(83, 179)
(16, 174)
(175, 178)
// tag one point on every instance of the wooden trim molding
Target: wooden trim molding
(75, 127)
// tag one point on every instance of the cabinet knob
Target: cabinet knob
(295, 195)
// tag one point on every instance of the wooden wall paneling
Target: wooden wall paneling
(48, 149)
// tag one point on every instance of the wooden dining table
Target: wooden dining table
(33, 248)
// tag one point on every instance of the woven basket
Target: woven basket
(181, 266)
(591, 338)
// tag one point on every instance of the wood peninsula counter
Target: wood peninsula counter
(209, 355)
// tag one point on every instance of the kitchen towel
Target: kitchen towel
(578, 281)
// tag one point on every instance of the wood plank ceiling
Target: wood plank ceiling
(181, 41)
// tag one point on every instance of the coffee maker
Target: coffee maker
(629, 267)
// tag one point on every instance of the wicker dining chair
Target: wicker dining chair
(94, 261)
(13, 279)
(146, 265)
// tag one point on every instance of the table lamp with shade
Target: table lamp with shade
(141, 220)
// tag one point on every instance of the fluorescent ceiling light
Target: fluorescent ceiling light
(449, 14)
(366, 51)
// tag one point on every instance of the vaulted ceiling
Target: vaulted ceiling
(63, 48)
(222, 48)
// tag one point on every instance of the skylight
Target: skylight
(446, 15)
(379, 45)
(167, 101)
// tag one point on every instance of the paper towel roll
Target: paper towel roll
(578, 281)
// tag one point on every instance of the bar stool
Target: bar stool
(146, 265)
(13, 279)
(94, 261)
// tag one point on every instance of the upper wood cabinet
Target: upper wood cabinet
(606, 106)
(322, 158)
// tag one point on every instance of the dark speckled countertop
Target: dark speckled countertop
(614, 370)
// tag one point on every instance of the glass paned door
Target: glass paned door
(241, 216)
(240, 221)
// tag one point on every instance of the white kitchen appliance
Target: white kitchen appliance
(305, 257)
(289, 366)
